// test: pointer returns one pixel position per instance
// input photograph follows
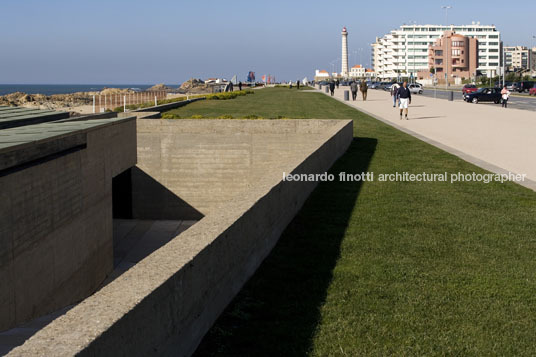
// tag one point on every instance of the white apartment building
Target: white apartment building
(405, 51)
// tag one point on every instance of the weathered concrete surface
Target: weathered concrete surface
(56, 212)
(165, 304)
(186, 171)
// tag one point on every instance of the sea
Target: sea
(49, 89)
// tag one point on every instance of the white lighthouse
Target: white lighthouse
(344, 66)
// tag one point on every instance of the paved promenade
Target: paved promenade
(489, 136)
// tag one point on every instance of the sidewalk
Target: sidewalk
(487, 135)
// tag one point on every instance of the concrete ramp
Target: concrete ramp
(227, 173)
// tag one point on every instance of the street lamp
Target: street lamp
(414, 26)
(446, 8)
(531, 53)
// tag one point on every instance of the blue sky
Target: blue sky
(136, 42)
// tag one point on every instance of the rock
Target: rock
(107, 91)
(194, 86)
(159, 87)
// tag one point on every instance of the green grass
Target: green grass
(380, 268)
(269, 103)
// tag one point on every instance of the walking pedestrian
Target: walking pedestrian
(353, 89)
(298, 84)
(363, 88)
(505, 94)
(394, 93)
(240, 85)
(332, 87)
(337, 83)
(290, 85)
(404, 96)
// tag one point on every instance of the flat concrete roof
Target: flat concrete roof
(25, 143)
(18, 116)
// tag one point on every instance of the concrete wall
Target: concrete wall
(56, 215)
(166, 303)
(169, 106)
(205, 163)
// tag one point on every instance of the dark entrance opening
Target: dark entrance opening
(122, 195)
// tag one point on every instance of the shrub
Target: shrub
(226, 116)
(228, 95)
(252, 116)
(170, 116)
(196, 116)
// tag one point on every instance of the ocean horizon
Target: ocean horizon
(49, 89)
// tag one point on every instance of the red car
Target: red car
(532, 91)
(469, 88)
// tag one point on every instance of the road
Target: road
(517, 102)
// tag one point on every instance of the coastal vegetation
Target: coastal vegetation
(386, 268)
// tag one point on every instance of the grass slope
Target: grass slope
(388, 268)
(269, 103)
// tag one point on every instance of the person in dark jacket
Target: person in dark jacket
(332, 87)
(240, 85)
(298, 84)
(353, 88)
(404, 97)
(337, 83)
(394, 93)
(363, 88)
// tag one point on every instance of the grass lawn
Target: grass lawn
(387, 268)
(269, 103)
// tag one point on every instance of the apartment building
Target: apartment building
(404, 51)
(453, 57)
(517, 58)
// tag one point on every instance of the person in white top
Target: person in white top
(505, 94)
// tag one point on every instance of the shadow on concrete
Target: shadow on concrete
(152, 200)
(278, 310)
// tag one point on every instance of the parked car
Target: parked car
(532, 91)
(415, 88)
(469, 88)
(524, 86)
(484, 95)
(383, 85)
(377, 85)
(512, 86)
(387, 86)
(500, 85)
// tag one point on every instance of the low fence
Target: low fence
(104, 102)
